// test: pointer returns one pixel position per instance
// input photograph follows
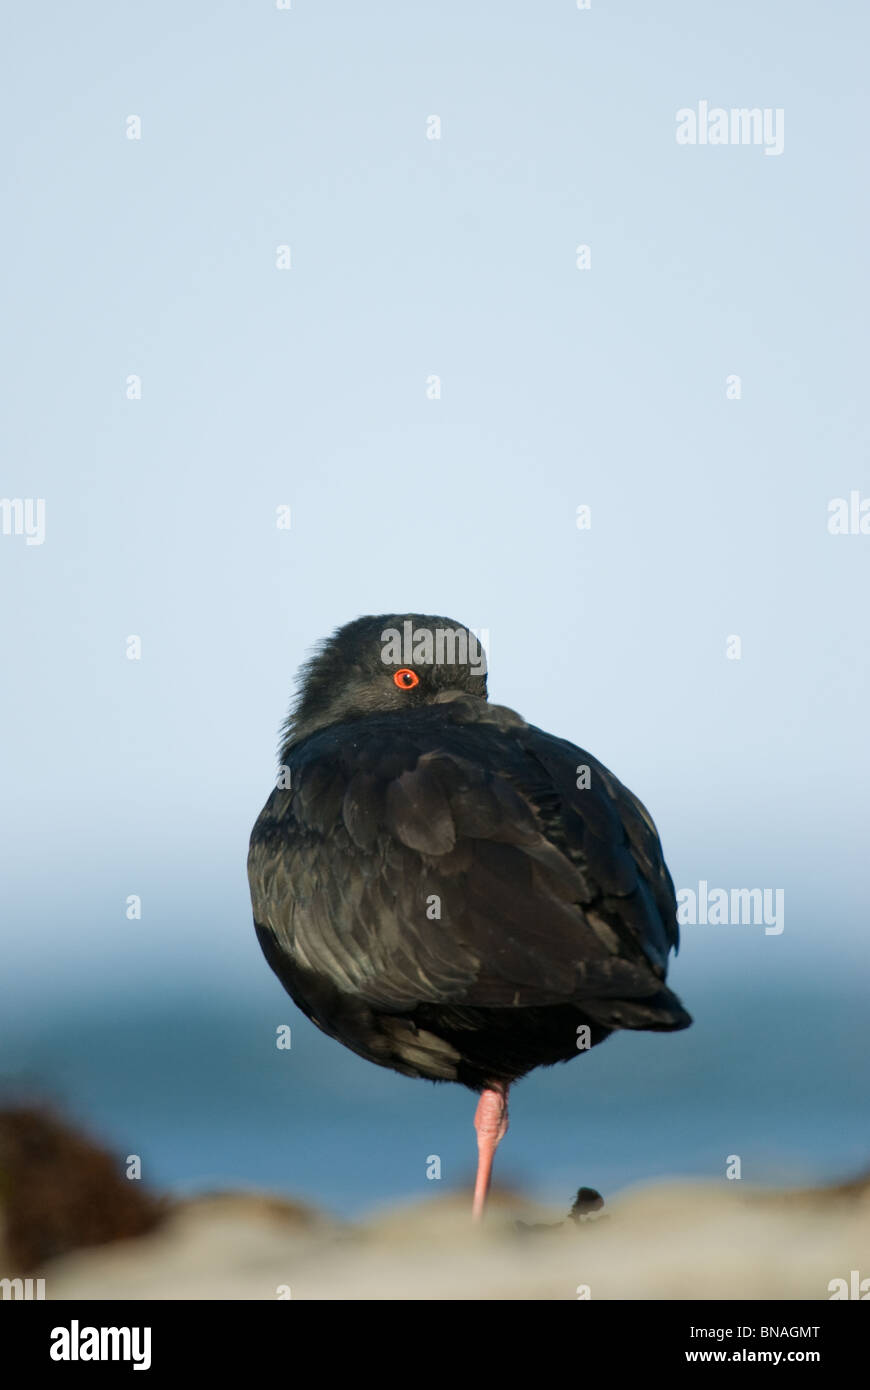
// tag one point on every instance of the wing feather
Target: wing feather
(410, 870)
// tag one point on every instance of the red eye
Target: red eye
(406, 679)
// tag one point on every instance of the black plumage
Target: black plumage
(435, 890)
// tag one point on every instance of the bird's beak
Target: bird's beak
(445, 696)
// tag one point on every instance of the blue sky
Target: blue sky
(307, 387)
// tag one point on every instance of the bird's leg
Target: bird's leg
(491, 1122)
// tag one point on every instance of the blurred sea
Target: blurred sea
(197, 1087)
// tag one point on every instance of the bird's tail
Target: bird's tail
(661, 1012)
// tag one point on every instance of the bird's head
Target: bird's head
(374, 665)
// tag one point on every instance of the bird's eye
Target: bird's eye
(406, 679)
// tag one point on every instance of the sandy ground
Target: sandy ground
(670, 1241)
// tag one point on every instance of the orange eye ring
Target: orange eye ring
(405, 678)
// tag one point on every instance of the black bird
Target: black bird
(446, 889)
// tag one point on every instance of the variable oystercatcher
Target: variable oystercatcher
(446, 889)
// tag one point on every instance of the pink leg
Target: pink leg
(491, 1122)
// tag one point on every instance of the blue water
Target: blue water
(197, 1087)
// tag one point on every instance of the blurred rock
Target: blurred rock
(59, 1191)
